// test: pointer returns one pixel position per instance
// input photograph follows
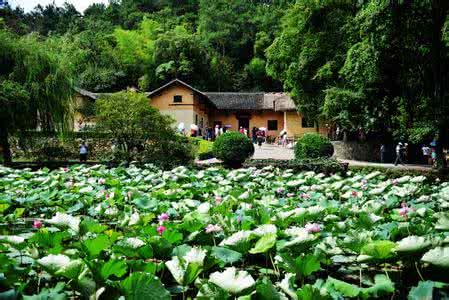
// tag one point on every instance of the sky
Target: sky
(28, 5)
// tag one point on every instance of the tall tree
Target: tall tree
(35, 88)
(309, 52)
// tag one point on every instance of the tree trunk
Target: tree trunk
(4, 143)
(439, 11)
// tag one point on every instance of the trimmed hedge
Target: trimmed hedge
(322, 165)
(313, 145)
(233, 148)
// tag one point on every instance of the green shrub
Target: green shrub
(319, 165)
(313, 145)
(205, 150)
(233, 148)
(177, 152)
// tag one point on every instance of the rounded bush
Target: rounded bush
(313, 145)
(233, 148)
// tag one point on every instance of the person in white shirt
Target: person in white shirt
(426, 152)
(399, 149)
(84, 150)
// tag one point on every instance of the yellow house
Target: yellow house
(188, 105)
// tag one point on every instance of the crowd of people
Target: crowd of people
(402, 153)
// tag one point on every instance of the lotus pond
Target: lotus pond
(143, 233)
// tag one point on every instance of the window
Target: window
(307, 123)
(177, 99)
(272, 125)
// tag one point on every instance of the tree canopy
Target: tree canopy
(35, 88)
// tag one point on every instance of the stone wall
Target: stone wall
(53, 148)
(366, 151)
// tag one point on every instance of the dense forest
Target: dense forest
(370, 65)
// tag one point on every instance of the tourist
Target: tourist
(217, 131)
(433, 146)
(242, 131)
(221, 131)
(426, 152)
(399, 149)
(254, 135)
(260, 138)
(245, 132)
(84, 150)
(284, 138)
(383, 151)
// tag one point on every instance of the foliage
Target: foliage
(313, 145)
(141, 233)
(233, 148)
(320, 165)
(132, 122)
(35, 88)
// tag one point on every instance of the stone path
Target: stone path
(268, 151)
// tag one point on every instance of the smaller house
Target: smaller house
(188, 105)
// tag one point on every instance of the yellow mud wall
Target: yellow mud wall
(294, 126)
(180, 112)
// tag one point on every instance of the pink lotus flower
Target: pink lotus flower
(290, 195)
(106, 195)
(218, 199)
(101, 181)
(395, 182)
(66, 169)
(37, 224)
(129, 194)
(163, 217)
(312, 227)
(213, 228)
(304, 196)
(161, 229)
(403, 211)
(280, 190)
(354, 194)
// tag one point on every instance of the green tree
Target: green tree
(35, 88)
(132, 121)
(310, 50)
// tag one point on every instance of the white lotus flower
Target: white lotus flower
(232, 281)
(133, 243)
(265, 229)
(12, 239)
(195, 256)
(63, 219)
(236, 238)
(54, 262)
